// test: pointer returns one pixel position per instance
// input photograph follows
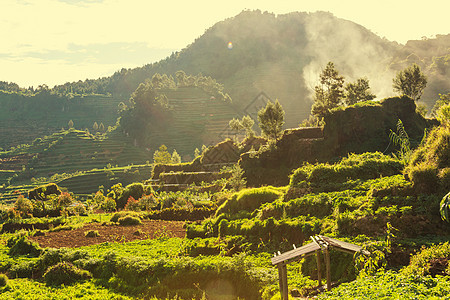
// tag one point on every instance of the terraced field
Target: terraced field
(74, 159)
(24, 119)
(197, 119)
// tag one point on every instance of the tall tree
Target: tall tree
(410, 82)
(329, 93)
(247, 122)
(358, 91)
(162, 156)
(176, 158)
(271, 119)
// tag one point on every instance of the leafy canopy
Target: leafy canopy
(329, 93)
(410, 82)
(271, 119)
(358, 91)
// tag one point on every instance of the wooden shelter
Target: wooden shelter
(320, 244)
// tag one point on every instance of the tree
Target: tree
(70, 124)
(196, 153)
(271, 119)
(236, 126)
(101, 127)
(176, 158)
(247, 122)
(358, 91)
(329, 93)
(162, 156)
(410, 82)
(95, 127)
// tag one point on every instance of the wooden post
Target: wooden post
(282, 278)
(327, 263)
(319, 269)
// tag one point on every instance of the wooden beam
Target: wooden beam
(282, 278)
(328, 267)
(319, 269)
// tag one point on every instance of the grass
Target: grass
(27, 289)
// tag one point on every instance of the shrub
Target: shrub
(23, 269)
(91, 233)
(79, 209)
(432, 158)
(3, 280)
(129, 221)
(249, 199)
(132, 204)
(368, 165)
(121, 214)
(41, 192)
(424, 177)
(135, 190)
(65, 273)
(148, 202)
(423, 263)
(99, 198)
(108, 204)
(20, 245)
(23, 206)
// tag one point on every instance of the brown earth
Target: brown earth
(110, 233)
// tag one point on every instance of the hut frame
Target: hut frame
(320, 244)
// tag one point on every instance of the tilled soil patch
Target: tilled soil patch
(111, 233)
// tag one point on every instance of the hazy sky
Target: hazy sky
(55, 41)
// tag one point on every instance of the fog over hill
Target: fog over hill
(281, 56)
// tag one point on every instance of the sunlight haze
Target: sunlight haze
(52, 42)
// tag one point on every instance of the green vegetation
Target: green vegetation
(410, 82)
(271, 120)
(240, 202)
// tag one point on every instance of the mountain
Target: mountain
(281, 56)
(254, 55)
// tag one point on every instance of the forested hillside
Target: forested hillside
(253, 52)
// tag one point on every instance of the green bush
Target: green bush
(108, 204)
(429, 164)
(364, 166)
(135, 190)
(91, 233)
(65, 273)
(249, 199)
(424, 177)
(423, 262)
(23, 206)
(21, 245)
(120, 214)
(41, 192)
(129, 220)
(3, 280)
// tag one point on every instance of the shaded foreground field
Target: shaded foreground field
(111, 233)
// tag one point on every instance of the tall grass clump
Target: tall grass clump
(249, 199)
(428, 167)
(364, 166)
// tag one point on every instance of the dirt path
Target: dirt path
(110, 233)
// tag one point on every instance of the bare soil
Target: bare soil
(149, 229)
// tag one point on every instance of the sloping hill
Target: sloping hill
(196, 119)
(279, 55)
(25, 118)
(69, 152)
